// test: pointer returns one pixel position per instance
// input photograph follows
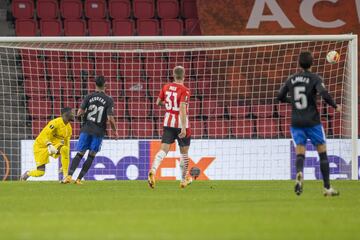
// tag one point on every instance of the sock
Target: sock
(36, 173)
(325, 169)
(65, 160)
(75, 163)
(86, 166)
(184, 164)
(158, 159)
(300, 158)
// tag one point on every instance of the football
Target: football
(333, 57)
(195, 172)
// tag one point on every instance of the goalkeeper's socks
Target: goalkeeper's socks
(184, 164)
(300, 158)
(158, 159)
(75, 163)
(36, 173)
(325, 169)
(86, 166)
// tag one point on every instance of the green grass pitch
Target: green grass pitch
(206, 210)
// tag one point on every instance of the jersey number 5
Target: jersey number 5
(171, 104)
(300, 97)
(93, 111)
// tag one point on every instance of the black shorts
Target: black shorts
(170, 134)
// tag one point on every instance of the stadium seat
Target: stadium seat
(238, 112)
(71, 9)
(189, 9)
(114, 87)
(130, 69)
(139, 107)
(168, 9)
(33, 68)
(172, 27)
(143, 9)
(155, 68)
(35, 88)
(197, 129)
(99, 27)
(47, 9)
(119, 107)
(142, 129)
(192, 27)
(211, 108)
(61, 88)
(23, 9)
(241, 128)
(76, 129)
(25, 27)
(119, 9)
(267, 128)
(158, 112)
(82, 68)
(204, 87)
(218, 129)
(39, 108)
(147, 27)
(108, 69)
(51, 27)
(36, 126)
(123, 129)
(95, 9)
(262, 111)
(74, 27)
(57, 69)
(123, 27)
(194, 107)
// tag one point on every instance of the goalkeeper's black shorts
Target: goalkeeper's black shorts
(170, 134)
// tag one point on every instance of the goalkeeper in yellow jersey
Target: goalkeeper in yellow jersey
(53, 141)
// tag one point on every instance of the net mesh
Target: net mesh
(239, 130)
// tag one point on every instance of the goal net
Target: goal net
(239, 130)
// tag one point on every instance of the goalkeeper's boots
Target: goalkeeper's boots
(78, 182)
(67, 180)
(151, 179)
(184, 183)
(330, 192)
(25, 176)
(299, 183)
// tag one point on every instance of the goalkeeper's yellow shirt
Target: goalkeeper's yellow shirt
(56, 132)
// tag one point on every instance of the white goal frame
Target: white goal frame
(353, 47)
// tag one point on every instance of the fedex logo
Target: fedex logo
(339, 168)
(107, 166)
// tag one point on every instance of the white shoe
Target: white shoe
(330, 192)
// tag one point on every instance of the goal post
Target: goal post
(239, 130)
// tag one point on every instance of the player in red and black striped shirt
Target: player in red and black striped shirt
(175, 97)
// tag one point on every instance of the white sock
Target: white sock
(158, 159)
(184, 164)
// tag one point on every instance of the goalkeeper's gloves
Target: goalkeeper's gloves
(51, 149)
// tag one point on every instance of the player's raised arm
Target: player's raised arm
(324, 93)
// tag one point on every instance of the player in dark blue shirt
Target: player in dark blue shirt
(96, 109)
(302, 89)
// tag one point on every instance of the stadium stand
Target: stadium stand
(177, 17)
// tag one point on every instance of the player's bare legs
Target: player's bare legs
(300, 158)
(161, 154)
(184, 165)
(325, 171)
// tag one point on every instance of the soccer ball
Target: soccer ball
(195, 172)
(333, 57)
